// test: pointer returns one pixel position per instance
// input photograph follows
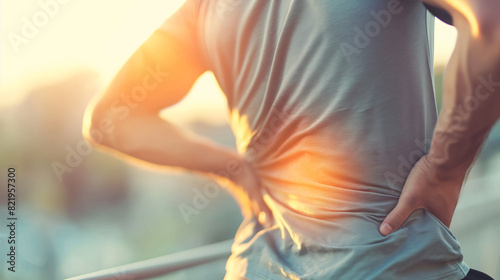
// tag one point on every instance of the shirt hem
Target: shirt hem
(459, 272)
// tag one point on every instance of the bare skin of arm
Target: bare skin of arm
(125, 121)
(471, 106)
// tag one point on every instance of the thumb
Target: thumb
(395, 219)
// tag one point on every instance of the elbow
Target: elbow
(482, 47)
(490, 32)
(490, 43)
(479, 20)
(487, 23)
(98, 127)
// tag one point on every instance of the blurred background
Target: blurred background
(80, 210)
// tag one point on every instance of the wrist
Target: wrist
(453, 153)
(228, 166)
(443, 171)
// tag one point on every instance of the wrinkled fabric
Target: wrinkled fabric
(333, 102)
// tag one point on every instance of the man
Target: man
(332, 106)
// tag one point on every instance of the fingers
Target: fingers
(252, 203)
(259, 207)
(248, 192)
(261, 210)
(395, 219)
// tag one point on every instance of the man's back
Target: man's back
(333, 102)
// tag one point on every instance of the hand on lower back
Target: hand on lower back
(425, 188)
(245, 186)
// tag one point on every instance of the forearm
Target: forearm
(151, 139)
(471, 100)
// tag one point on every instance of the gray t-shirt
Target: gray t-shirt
(333, 102)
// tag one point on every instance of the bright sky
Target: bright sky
(100, 35)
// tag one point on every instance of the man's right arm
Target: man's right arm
(471, 100)
(471, 106)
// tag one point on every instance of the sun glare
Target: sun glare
(42, 39)
(45, 41)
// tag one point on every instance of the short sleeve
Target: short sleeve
(182, 25)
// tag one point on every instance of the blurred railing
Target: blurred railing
(163, 265)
